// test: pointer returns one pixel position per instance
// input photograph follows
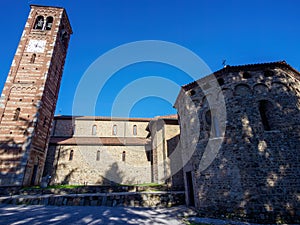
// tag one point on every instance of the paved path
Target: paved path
(36, 214)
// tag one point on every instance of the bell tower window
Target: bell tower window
(39, 23)
(49, 22)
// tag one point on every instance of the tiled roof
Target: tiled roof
(102, 118)
(257, 66)
(98, 141)
(173, 116)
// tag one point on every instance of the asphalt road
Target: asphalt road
(36, 214)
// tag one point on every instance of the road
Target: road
(36, 214)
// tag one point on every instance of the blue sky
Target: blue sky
(241, 32)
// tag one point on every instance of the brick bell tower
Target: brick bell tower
(30, 94)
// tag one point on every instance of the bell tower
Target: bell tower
(30, 94)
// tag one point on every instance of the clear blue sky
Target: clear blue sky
(241, 32)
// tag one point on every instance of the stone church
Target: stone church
(234, 145)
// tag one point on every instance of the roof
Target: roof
(58, 7)
(102, 118)
(98, 141)
(173, 116)
(246, 67)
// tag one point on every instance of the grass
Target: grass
(144, 185)
(54, 187)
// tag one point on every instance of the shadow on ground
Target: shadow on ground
(88, 215)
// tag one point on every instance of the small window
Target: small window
(268, 73)
(246, 75)
(73, 129)
(213, 122)
(114, 132)
(192, 92)
(39, 23)
(265, 109)
(49, 22)
(17, 114)
(134, 130)
(94, 130)
(45, 122)
(32, 60)
(71, 155)
(123, 156)
(221, 81)
(98, 156)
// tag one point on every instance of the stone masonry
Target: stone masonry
(109, 151)
(255, 172)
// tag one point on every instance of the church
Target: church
(233, 147)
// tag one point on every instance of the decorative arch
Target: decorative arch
(242, 90)
(279, 88)
(260, 88)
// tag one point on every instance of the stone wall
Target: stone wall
(133, 199)
(167, 163)
(85, 168)
(255, 173)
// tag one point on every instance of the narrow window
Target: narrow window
(32, 60)
(123, 156)
(17, 114)
(98, 156)
(45, 122)
(115, 130)
(73, 129)
(134, 130)
(265, 108)
(213, 123)
(71, 155)
(49, 22)
(39, 23)
(94, 130)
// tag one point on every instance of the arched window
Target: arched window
(39, 23)
(17, 114)
(213, 122)
(134, 131)
(98, 156)
(32, 60)
(123, 156)
(265, 109)
(94, 130)
(114, 132)
(49, 22)
(71, 155)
